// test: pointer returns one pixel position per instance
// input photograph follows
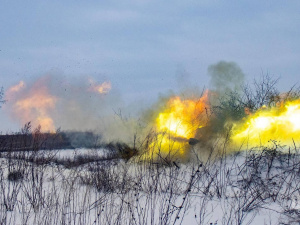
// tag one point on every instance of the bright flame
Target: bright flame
(181, 118)
(32, 105)
(280, 123)
(103, 88)
(178, 122)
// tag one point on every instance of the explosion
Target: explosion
(181, 118)
(72, 105)
(178, 122)
(280, 123)
(32, 105)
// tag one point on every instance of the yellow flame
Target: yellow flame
(181, 118)
(280, 123)
(178, 122)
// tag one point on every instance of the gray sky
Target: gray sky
(144, 47)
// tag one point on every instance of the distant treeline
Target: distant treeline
(38, 141)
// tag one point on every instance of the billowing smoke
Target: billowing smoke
(82, 103)
(71, 104)
(54, 101)
(226, 84)
(226, 77)
(88, 108)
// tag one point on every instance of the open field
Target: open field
(89, 187)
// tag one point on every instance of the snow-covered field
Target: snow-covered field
(81, 187)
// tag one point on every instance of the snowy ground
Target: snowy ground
(68, 187)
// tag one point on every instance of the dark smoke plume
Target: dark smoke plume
(226, 77)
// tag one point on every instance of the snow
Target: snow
(246, 188)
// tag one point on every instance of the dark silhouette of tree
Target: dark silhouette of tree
(1, 96)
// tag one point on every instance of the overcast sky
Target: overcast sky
(144, 47)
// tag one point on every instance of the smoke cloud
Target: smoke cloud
(226, 77)
(70, 104)
(82, 104)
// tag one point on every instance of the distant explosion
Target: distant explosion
(33, 104)
(37, 103)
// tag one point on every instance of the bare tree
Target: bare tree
(1, 96)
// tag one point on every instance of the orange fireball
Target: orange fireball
(32, 105)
